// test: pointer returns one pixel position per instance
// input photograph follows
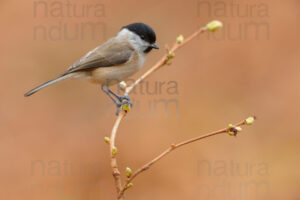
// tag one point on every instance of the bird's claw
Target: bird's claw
(124, 100)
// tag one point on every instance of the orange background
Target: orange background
(48, 138)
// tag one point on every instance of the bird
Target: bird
(113, 61)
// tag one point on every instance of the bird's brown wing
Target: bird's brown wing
(107, 55)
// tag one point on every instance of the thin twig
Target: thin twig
(170, 149)
(113, 163)
(164, 59)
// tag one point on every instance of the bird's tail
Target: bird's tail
(62, 77)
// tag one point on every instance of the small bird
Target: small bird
(113, 61)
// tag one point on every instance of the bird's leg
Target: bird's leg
(121, 98)
(106, 90)
(119, 103)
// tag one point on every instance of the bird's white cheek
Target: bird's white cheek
(142, 60)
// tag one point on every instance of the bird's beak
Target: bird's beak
(154, 46)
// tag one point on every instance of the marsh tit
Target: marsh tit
(113, 61)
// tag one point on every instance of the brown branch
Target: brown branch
(162, 62)
(113, 150)
(175, 146)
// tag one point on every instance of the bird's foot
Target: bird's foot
(121, 101)
(124, 103)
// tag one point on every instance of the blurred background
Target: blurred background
(52, 142)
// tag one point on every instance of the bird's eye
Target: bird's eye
(143, 37)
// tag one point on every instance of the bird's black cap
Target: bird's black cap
(143, 30)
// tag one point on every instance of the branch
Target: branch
(113, 151)
(231, 130)
(165, 60)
